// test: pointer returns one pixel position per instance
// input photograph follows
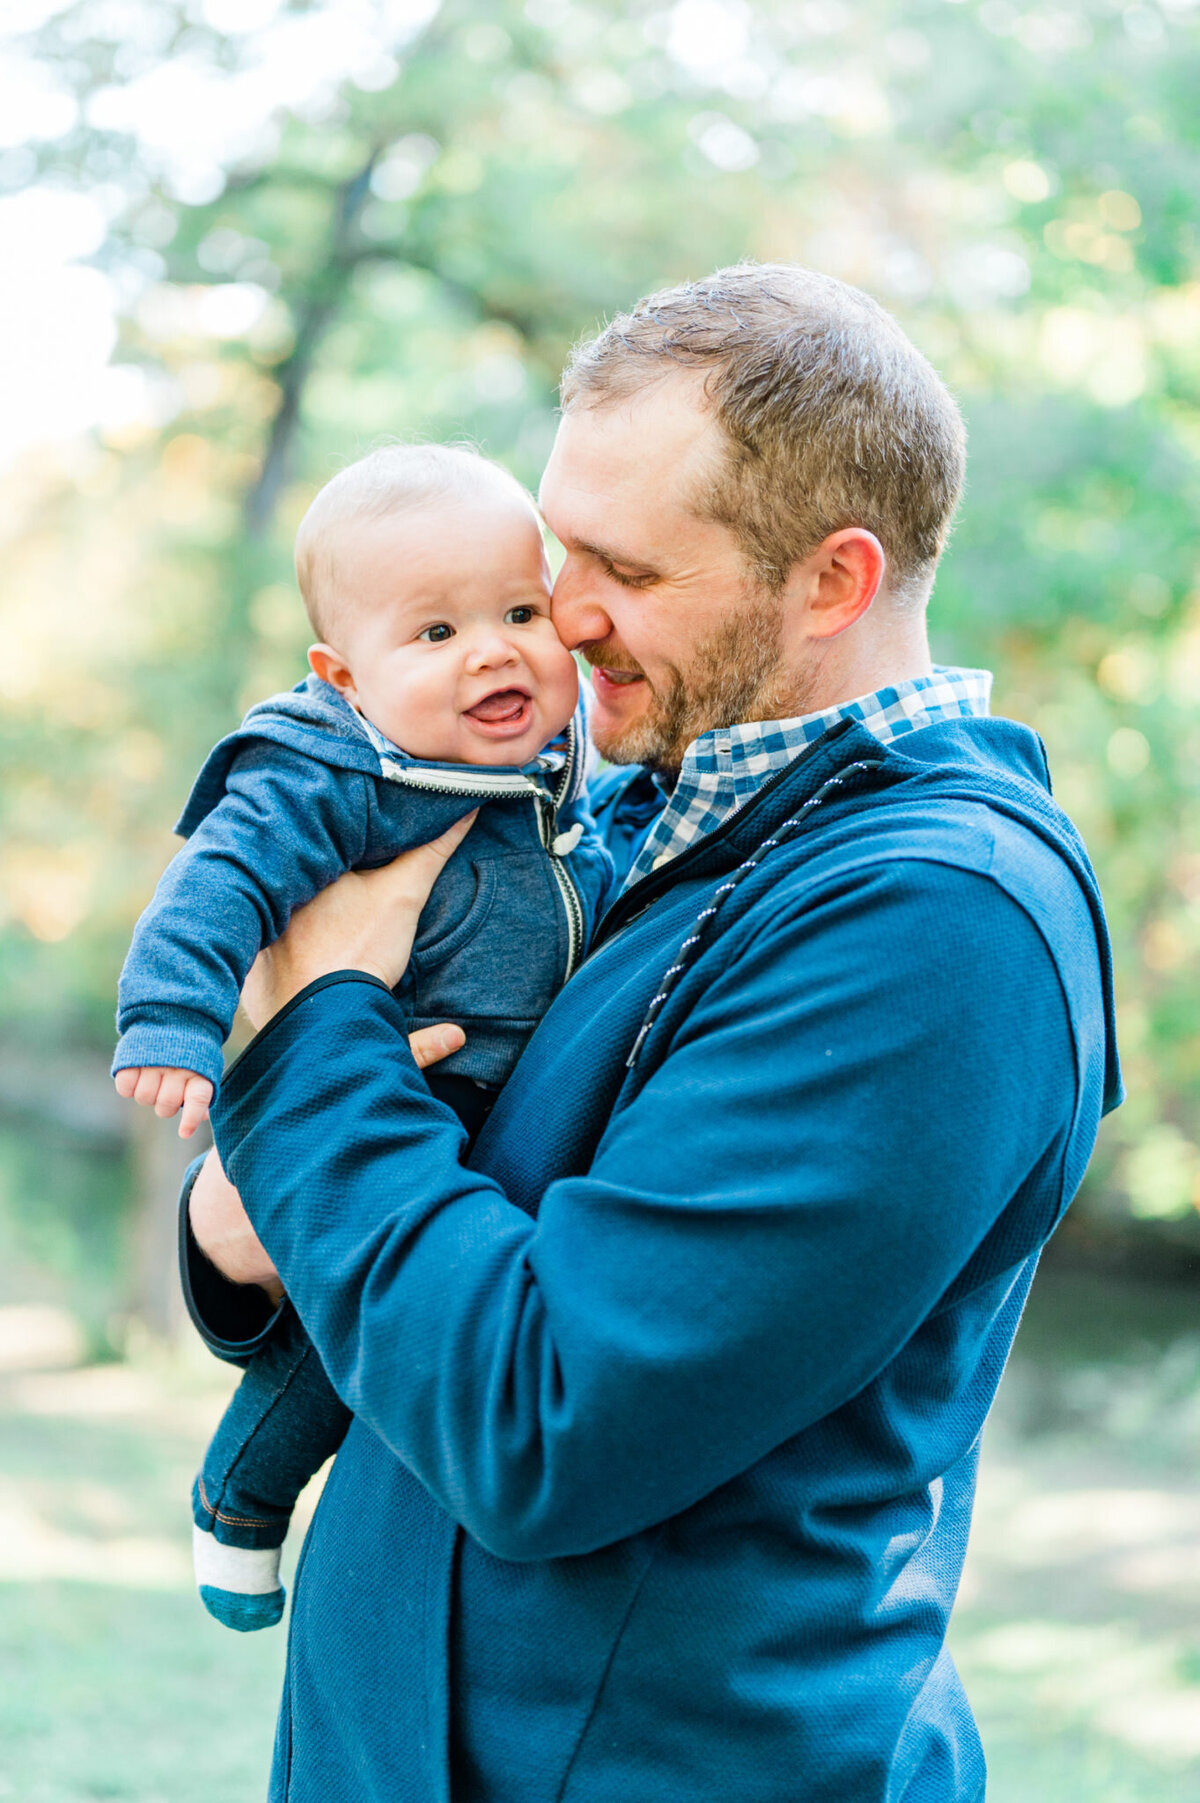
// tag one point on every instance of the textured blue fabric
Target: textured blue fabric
(298, 795)
(667, 1405)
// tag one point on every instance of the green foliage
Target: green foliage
(411, 251)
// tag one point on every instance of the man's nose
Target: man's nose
(578, 614)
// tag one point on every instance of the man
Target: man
(668, 1401)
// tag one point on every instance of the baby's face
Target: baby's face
(443, 623)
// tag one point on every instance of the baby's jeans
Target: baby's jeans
(283, 1422)
(285, 1419)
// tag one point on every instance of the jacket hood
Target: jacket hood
(1003, 765)
(998, 764)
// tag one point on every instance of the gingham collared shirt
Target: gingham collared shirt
(724, 768)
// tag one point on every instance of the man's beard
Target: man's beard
(734, 675)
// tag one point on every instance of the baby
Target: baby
(438, 685)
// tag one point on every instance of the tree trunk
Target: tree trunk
(319, 309)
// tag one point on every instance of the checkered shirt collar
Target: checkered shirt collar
(725, 767)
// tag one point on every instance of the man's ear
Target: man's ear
(839, 581)
(332, 668)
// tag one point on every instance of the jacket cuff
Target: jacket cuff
(174, 1044)
(313, 988)
(233, 1319)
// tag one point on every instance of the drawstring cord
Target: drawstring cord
(688, 951)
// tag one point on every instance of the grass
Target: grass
(1078, 1626)
(1078, 1630)
(114, 1683)
(121, 1693)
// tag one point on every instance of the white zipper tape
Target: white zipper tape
(446, 782)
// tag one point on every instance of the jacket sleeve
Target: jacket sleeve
(233, 1319)
(852, 1103)
(286, 826)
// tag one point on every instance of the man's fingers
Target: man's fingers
(408, 879)
(223, 1231)
(447, 843)
(429, 1045)
(422, 866)
(366, 921)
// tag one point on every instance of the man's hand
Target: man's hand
(221, 1226)
(167, 1089)
(366, 921)
(222, 1230)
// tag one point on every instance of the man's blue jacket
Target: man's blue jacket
(668, 1402)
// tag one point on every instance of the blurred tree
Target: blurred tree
(327, 223)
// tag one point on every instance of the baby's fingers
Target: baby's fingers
(197, 1094)
(127, 1081)
(145, 1090)
(170, 1093)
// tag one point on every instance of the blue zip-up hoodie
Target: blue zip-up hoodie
(668, 1404)
(305, 790)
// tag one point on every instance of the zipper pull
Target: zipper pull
(566, 842)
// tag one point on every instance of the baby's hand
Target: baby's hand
(167, 1089)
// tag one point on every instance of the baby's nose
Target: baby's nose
(489, 647)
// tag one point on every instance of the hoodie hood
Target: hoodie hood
(1003, 765)
(996, 764)
(313, 720)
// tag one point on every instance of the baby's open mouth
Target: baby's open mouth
(503, 707)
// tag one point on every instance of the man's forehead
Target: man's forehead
(652, 448)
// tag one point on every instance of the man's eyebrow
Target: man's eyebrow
(611, 554)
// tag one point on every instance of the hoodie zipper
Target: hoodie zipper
(447, 782)
(546, 803)
(547, 814)
(548, 807)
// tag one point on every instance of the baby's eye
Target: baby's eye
(518, 616)
(437, 635)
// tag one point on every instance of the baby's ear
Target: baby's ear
(332, 668)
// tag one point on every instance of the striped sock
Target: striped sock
(239, 1585)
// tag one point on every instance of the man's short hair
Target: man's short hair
(390, 479)
(831, 416)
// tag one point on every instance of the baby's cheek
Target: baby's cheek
(566, 682)
(415, 709)
(557, 654)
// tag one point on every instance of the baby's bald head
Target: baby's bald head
(394, 479)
